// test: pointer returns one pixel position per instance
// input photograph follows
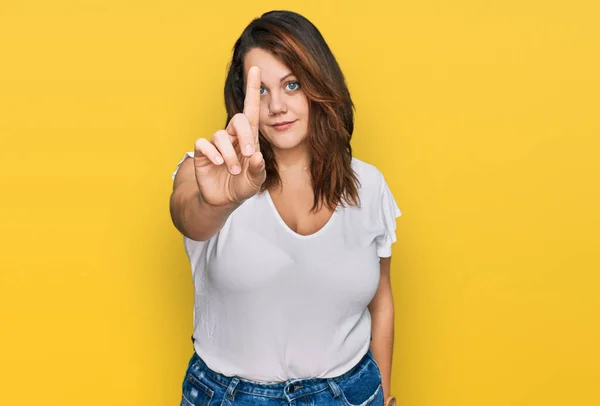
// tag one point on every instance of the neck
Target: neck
(293, 160)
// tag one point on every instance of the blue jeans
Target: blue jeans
(361, 385)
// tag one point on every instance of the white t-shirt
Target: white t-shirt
(272, 305)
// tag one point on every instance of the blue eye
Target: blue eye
(261, 90)
(292, 86)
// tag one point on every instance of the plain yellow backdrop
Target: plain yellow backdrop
(483, 116)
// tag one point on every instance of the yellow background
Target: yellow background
(484, 117)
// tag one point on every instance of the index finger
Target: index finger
(252, 100)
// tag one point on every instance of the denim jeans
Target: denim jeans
(361, 385)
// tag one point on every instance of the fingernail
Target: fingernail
(218, 160)
(249, 148)
(235, 169)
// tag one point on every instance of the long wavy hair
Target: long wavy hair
(296, 42)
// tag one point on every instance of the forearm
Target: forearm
(382, 331)
(193, 217)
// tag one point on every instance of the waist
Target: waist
(299, 387)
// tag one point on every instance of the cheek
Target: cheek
(304, 114)
(264, 129)
(301, 106)
(263, 118)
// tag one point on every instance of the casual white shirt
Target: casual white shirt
(272, 305)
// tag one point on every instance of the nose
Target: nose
(277, 104)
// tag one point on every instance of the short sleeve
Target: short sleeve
(187, 154)
(389, 212)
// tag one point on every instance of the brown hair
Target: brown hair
(296, 42)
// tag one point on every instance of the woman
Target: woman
(289, 236)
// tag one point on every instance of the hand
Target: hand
(230, 167)
(390, 401)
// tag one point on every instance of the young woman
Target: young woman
(289, 236)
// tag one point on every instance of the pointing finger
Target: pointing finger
(252, 100)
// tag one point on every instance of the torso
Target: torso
(294, 203)
(282, 293)
(294, 208)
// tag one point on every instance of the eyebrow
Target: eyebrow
(286, 76)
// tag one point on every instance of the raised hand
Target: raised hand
(230, 167)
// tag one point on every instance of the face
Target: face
(284, 108)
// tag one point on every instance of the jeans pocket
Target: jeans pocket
(185, 401)
(364, 387)
(195, 392)
(354, 399)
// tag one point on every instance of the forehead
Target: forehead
(271, 68)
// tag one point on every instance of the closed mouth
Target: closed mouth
(283, 123)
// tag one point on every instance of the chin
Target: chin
(286, 141)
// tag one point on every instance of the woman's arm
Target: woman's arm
(382, 325)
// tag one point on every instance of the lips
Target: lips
(284, 125)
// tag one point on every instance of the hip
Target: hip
(361, 385)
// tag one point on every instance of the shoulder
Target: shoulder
(370, 177)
